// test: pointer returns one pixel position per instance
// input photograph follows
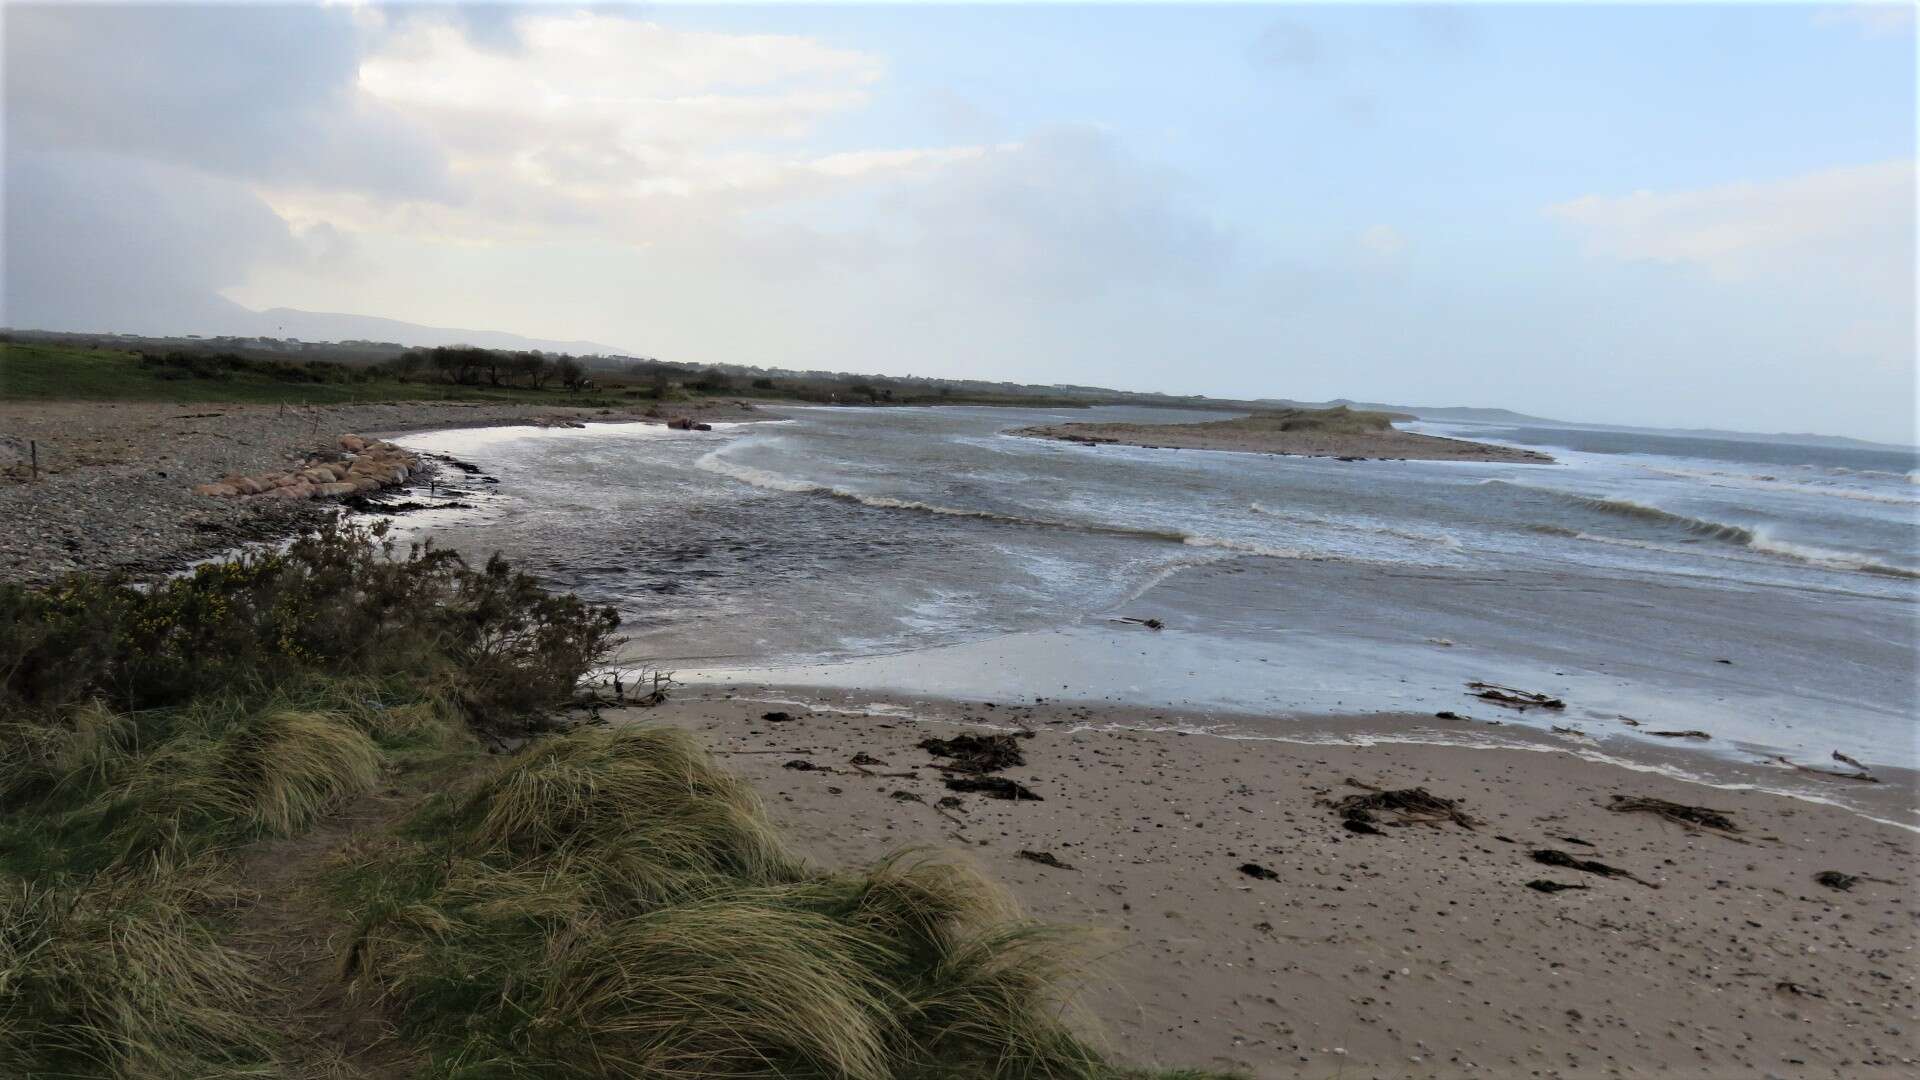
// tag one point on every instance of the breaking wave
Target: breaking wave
(1433, 539)
(771, 481)
(1828, 559)
(1739, 535)
(1712, 530)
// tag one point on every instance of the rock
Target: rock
(334, 489)
(352, 443)
(680, 423)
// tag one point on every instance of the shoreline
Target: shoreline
(1419, 951)
(115, 490)
(1393, 444)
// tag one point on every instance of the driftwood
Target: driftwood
(1545, 886)
(1044, 858)
(1513, 698)
(1688, 734)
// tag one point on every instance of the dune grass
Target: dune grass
(600, 903)
(612, 903)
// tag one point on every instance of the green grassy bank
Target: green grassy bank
(599, 902)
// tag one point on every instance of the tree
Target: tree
(864, 390)
(572, 373)
(530, 368)
(763, 383)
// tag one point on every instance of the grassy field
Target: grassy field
(33, 372)
(64, 372)
(254, 822)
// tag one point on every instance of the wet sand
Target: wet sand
(1255, 439)
(1417, 952)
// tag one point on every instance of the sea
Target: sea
(1758, 590)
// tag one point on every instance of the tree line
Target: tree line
(467, 366)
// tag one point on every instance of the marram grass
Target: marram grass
(612, 903)
(603, 903)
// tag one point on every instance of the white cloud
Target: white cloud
(1856, 218)
(611, 124)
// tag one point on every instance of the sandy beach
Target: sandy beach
(1419, 951)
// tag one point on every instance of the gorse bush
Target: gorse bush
(338, 602)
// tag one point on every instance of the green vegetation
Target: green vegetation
(599, 903)
(42, 365)
(37, 372)
(1338, 420)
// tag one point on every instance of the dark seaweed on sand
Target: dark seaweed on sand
(978, 754)
(993, 787)
(1407, 806)
(1679, 813)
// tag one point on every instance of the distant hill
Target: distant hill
(340, 326)
(223, 318)
(1448, 412)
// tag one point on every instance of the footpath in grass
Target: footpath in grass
(308, 814)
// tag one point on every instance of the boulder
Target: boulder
(680, 423)
(331, 490)
(222, 491)
(366, 484)
(352, 443)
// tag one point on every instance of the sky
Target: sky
(1675, 216)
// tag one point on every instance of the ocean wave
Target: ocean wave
(1433, 539)
(1741, 536)
(1828, 559)
(1712, 530)
(772, 481)
(1768, 483)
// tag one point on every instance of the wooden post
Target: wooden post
(33, 452)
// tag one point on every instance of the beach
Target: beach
(1202, 658)
(114, 482)
(1420, 951)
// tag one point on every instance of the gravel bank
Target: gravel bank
(114, 488)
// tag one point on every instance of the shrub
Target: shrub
(337, 602)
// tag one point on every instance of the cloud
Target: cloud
(102, 242)
(250, 93)
(1856, 219)
(1066, 214)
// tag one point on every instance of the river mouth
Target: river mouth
(923, 551)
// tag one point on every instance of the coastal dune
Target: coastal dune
(1248, 928)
